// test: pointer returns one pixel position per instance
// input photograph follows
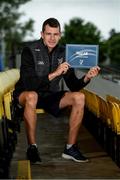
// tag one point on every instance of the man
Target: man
(43, 65)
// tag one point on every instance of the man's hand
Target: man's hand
(94, 71)
(61, 69)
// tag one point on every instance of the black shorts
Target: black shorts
(50, 103)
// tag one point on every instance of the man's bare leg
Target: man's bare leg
(29, 101)
(77, 101)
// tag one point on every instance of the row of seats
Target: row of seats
(106, 121)
(10, 120)
(8, 134)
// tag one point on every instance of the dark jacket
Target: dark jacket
(37, 63)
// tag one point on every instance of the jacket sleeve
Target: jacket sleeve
(72, 82)
(28, 74)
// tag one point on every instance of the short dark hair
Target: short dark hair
(52, 22)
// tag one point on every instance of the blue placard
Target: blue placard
(82, 55)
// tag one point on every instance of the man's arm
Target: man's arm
(61, 69)
(75, 84)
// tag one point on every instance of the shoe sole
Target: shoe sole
(65, 156)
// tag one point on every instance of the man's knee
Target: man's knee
(79, 99)
(32, 98)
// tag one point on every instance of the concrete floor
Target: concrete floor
(51, 138)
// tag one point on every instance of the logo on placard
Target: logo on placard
(82, 54)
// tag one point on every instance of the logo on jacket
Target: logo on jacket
(37, 49)
(41, 63)
(60, 60)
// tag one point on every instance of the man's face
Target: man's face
(51, 36)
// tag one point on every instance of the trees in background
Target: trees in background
(77, 31)
(113, 44)
(12, 31)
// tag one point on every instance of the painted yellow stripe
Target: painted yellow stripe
(24, 170)
(38, 111)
